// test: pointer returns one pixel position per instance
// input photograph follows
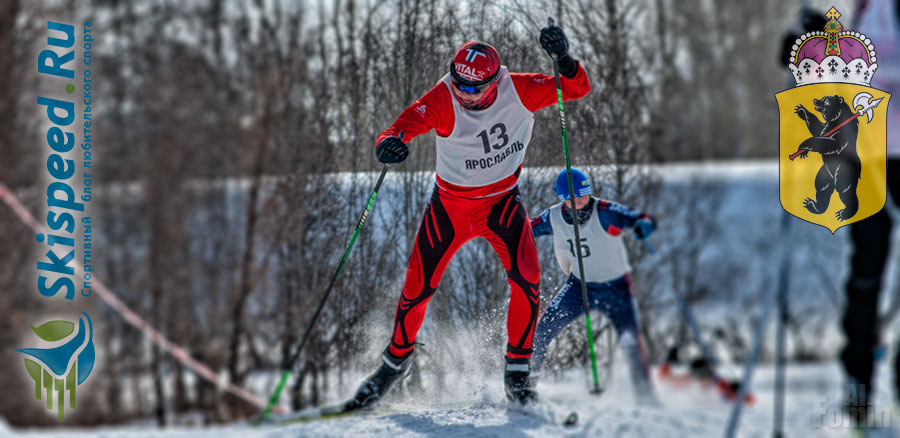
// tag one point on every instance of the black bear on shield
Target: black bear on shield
(841, 167)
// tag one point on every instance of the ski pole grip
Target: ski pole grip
(550, 23)
(400, 136)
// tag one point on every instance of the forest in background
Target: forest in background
(220, 127)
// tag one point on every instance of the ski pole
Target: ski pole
(781, 320)
(780, 346)
(711, 359)
(775, 298)
(289, 369)
(781, 299)
(574, 215)
(691, 321)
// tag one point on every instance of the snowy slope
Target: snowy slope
(812, 411)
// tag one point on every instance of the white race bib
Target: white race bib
(488, 145)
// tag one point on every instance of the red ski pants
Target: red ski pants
(448, 223)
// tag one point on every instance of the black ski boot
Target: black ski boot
(517, 383)
(375, 386)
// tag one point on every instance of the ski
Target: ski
(727, 389)
(541, 410)
(546, 412)
(730, 390)
(337, 411)
(311, 414)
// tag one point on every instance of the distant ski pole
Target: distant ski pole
(574, 215)
(711, 359)
(781, 298)
(781, 322)
(776, 298)
(290, 367)
(691, 321)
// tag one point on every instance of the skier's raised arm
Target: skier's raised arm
(537, 90)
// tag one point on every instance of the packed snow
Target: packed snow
(813, 410)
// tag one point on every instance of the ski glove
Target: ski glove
(391, 150)
(554, 40)
(643, 229)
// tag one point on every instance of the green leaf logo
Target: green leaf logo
(54, 330)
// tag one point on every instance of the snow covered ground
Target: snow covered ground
(473, 406)
(813, 410)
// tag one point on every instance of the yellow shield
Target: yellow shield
(832, 173)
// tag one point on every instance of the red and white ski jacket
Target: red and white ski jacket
(480, 153)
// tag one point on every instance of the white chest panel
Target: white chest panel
(488, 145)
(604, 256)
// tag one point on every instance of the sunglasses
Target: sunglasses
(473, 89)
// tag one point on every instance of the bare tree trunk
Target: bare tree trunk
(9, 86)
(157, 273)
(237, 314)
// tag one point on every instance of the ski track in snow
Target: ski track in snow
(813, 406)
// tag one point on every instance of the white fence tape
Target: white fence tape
(179, 353)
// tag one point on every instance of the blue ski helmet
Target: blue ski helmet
(580, 183)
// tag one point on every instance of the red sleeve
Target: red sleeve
(433, 110)
(538, 91)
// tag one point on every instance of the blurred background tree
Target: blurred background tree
(234, 153)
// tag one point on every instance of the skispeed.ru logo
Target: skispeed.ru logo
(65, 358)
(65, 365)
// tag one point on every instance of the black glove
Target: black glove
(554, 40)
(643, 228)
(391, 150)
